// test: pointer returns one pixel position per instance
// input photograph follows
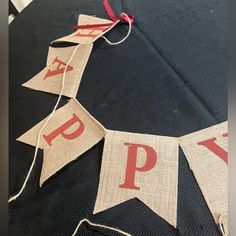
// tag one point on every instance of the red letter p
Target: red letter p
(131, 167)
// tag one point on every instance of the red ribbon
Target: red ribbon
(93, 26)
(112, 15)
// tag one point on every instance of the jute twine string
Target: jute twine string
(13, 198)
(99, 226)
(221, 224)
(122, 40)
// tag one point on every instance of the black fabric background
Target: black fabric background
(168, 78)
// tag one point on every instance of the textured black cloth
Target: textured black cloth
(168, 78)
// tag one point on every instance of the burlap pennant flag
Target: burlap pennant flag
(71, 132)
(87, 36)
(206, 152)
(50, 78)
(139, 166)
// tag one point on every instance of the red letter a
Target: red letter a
(61, 130)
(58, 70)
(132, 161)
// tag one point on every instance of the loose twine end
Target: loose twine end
(99, 226)
(123, 16)
(13, 198)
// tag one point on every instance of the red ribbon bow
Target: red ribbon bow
(112, 15)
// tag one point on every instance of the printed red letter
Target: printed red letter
(215, 148)
(59, 69)
(61, 130)
(131, 167)
(91, 34)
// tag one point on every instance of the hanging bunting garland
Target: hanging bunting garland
(133, 165)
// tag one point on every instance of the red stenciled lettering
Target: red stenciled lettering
(59, 69)
(93, 29)
(131, 168)
(211, 145)
(61, 130)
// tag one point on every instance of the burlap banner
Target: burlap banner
(70, 133)
(133, 165)
(206, 151)
(88, 36)
(50, 78)
(142, 166)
